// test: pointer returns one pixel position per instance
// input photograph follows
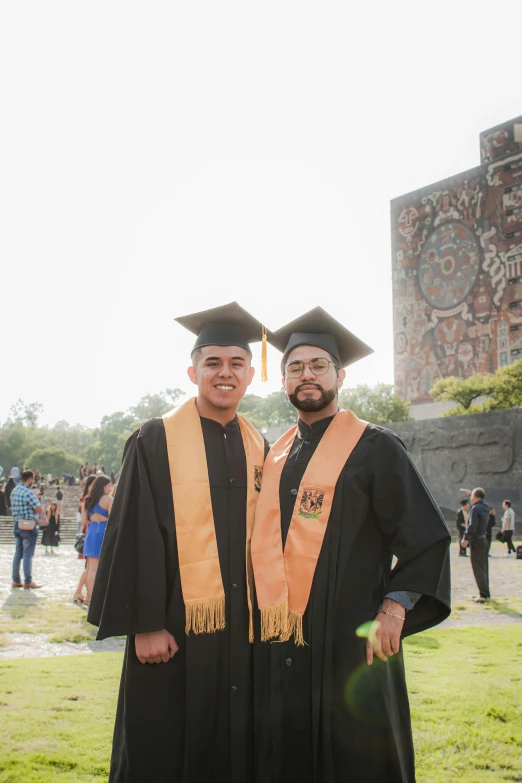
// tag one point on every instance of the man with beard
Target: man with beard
(340, 498)
(175, 573)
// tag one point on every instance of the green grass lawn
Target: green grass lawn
(65, 622)
(56, 714)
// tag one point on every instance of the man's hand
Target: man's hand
(385, 634)
(464, 543)
(155, 647)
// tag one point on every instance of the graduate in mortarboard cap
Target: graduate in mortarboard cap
(340, 497)
(175, 573)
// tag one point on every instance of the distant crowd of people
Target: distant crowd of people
(84, 471)
(25, 497)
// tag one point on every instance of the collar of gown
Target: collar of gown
(317, 429)
(214, 426)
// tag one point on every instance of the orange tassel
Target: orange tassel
(264, 356)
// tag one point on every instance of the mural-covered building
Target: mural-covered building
(457, 270)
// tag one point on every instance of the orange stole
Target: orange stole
(200, 571)
(284, 579)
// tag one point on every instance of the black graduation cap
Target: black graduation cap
(318, 328)
(228, 324)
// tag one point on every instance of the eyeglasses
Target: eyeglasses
(317, 367)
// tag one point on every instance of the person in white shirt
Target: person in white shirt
(508, 527)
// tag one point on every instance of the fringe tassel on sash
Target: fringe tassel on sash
(280, 624)
(274, 621)
(205, 616)
(294, 628)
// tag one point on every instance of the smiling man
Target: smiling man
(175, 574)
(340, 498)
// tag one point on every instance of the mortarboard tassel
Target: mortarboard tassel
(264, 358)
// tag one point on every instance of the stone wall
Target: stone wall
(484, 450)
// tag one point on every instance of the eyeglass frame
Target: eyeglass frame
(317, 358)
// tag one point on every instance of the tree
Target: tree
(379, 404)
(107, 448)
(502, 389)
(506, 387)
(274, 410)
(13, 439)
(152, 405)
(464, 391)
(251, 406)
(52, 460)
(25, 413)
(278, 410)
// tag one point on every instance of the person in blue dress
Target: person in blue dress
(95, 514)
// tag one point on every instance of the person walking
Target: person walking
(95, 515)
(15, 473)
(25, 505)
(475, 538)
(508, 527)
(78, 593)
(51, 534)
(59, 500)
(8, 490)
(492, 521)
(3, 504)
(462, 523)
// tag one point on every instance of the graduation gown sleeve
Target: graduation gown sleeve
(130, 591)
(416, 532)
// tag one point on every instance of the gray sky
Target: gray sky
(161, 158)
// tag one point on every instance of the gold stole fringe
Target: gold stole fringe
(199, 566)
(284, 579)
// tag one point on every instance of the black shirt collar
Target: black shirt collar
(214, 426)
(318, 428)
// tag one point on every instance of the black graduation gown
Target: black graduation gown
(51, 533)
(188, 720)
(322, 715)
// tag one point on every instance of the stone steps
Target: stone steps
(67, 530)
(68, 526)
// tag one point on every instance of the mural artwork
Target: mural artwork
(457, 270)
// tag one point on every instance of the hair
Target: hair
(49, 509)
(334, 361)
(196, 353)
(96, 493)
(464, 502)
(508, 503)
(88, 481)
(479, 493)
(27, 474)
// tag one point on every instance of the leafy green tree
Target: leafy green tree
(502, 389)
(379, 404)
(13, 438)
(274, 410)
(464, 391)
(110, 439)
(75, 439)
(251, 406)
(152, 405)
(506, 387)
(278, 410)
(25, 413)
(53, 460)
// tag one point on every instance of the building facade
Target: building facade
(457, 270)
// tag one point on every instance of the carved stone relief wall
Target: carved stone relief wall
(468, 451)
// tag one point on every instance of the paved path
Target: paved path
(59, 576)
